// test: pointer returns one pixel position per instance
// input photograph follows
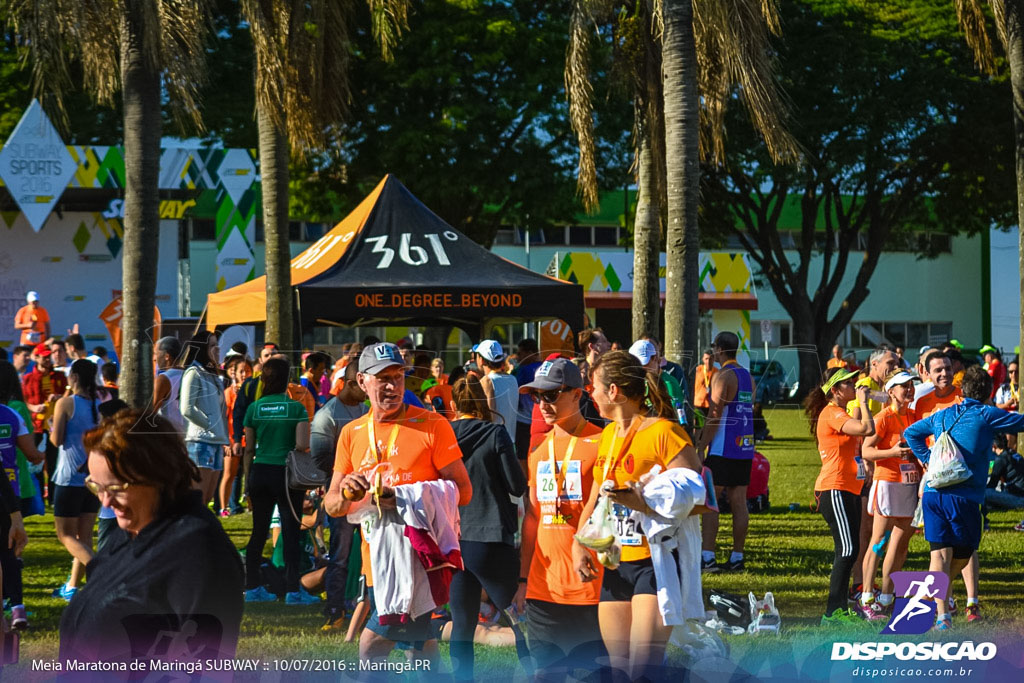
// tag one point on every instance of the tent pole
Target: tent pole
(199, 323)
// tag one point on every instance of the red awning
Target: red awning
(709, 301)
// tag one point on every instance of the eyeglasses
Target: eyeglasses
(114, 490)
(548, 396)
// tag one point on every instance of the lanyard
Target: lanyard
(611, 463)
(706, 376)
(1015, 393)
(378, 456)
(560, 480)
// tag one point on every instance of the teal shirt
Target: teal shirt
(273, 418)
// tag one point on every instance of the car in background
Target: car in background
(769, 381)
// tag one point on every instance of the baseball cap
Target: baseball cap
(490, 350)
(644, 350)
(42, 350)
(898, 378)
(838, 378)
(555, 374)
(377, 357)
(32, 296)
(923, 350)
(987, 348)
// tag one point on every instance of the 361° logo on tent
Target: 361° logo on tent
(913, 611)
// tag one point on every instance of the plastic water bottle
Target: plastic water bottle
(680, 412)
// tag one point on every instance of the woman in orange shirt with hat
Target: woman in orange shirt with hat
(837, 489)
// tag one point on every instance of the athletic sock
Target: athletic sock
(972, 601)
(708, 555)
(886, 598)
(736, 557)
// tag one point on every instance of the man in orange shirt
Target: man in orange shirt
(702, 382)
(33, 321)
(837, 361)
(561, 610)
(414, 445)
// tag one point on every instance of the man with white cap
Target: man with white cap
(647, 353)
(502, 390)
(32, 320)
(415, 445)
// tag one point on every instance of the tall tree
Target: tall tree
(302, 90)
(134, 47)
(720, 50)
(890, 137)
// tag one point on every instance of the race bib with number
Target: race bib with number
(909, 474)
(546, 483)
(627, 525)
(862, 471)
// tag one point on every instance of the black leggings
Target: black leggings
(266, 489)
(841, 510)
(493, 567)
(10, 562)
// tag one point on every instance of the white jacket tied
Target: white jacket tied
(203, 406)
(408, 581)
(672, 495)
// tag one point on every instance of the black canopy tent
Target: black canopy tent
(405, 265)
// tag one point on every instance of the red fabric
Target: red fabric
(759, 471)
(440, 567)
(997, 371)
(32, 388)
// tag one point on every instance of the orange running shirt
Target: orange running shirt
(889, 427)
(38, 317)
(838, 452)
(702, 386)
(836, 363)
(654, 444)
(929, 404)
(424, 445)
(552, 575)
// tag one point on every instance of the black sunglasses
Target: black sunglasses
(548, 396)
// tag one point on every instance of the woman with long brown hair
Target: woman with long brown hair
(837, 489)
(489, 522)
(642, 433)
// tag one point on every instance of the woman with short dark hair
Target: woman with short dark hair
(274, 426)
(169, 581)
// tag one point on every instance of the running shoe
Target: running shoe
(301, 597)
(259, 594)
(334, 624)
(709, 567)
(943, 624)
(225, 512)
(736, 566)
(19, 618)
(952, 605)
(65, 592)
(1019, 526)
(871, 611)
(841, 617)
(973, 613)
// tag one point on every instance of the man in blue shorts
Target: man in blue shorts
(952, 514)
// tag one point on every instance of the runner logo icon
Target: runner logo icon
(914, 609)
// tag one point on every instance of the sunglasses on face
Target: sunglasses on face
(548, 396)
(115, 490)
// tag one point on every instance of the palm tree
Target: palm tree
(1009, 19)
(134, 47)
(717, 49)
(302, 53)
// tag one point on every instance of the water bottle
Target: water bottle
(680, 412)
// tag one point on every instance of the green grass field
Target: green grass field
(788, 553)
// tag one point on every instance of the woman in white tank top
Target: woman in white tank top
(502, 390)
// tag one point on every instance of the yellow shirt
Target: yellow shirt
(656, 443)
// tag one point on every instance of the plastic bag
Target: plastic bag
(946, 465)
(610, 558)
(599, 531)
(766, 617)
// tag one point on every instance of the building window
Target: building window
(605, 236)
(204, 229)
(580, 235)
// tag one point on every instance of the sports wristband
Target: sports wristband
(522, 580)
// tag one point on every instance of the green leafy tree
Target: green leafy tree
(890, 136)
(144, 50)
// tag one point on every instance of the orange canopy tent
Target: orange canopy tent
(392, 260)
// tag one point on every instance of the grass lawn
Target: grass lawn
(788, 553)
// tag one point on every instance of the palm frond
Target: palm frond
(580, 93)
(178, 47)
(388, 18)
(970, 14)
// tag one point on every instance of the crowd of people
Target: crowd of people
(564, 491)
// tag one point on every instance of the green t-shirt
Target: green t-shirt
(26, 485)
(273, 418)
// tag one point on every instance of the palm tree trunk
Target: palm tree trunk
(142, 131)
(1014, 10)
(682, 147)
(274, 178)
(646, 241)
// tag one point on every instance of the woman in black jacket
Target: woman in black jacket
(168, 585)
(489, 522)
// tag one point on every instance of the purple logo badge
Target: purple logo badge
(913, 611)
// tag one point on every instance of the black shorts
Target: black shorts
(729, 471)
(563, 636)
(631, 578)
(415, 633)
(72, 501)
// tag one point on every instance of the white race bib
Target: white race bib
(909, 474)
(627, 526)
(546, 482)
